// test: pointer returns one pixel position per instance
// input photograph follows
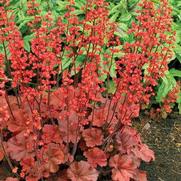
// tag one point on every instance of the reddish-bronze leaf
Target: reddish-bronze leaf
(27, 164)
(143, 152)
(99, 117)
(124, 167)
(68, 126)
(53, 155)
(51, 133)
(20, 147)
(82, 171)
(93, 137)
(127, 138)
(96, 156)
(1, 153)
(18, 121)
(11, 179)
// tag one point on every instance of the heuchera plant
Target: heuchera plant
(59, 118)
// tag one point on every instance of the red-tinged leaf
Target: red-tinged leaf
(2, 101)
(1, 154)
(32, 178)
(33, 170)
(55, 105)
(127, 112)
(120, 175)
(143, 152)
(11, 179)
(17, 122)
(13, 102)
(127, 138)
(96, 157)
(104, 113)
(27, 164)
(20, 147)
(4, 116)
(82, 171)
(55, 100)
(99, 117)
(51, 133)
(140, 175)
(123, 167)
(93, 137)
(134, 110)
(53, 155)
(70, 133)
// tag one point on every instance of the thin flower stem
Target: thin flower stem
(6, 155)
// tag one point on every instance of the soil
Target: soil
(164, 137)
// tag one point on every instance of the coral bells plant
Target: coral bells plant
(58, 119)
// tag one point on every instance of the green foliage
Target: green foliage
(123, 12)
(167, 84)
(176, 6)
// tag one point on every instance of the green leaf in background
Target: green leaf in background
(27, 39)
(175, 72)
(65, 63)
(168, 83)
(78, 63)
(78, 12)
(178, 52)
(125, 17)
(114, 16)
(80, 3)
(113, 69)
(122, 30)
(132, 4)
(111, 87)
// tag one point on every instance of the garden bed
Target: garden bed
(164, 137)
